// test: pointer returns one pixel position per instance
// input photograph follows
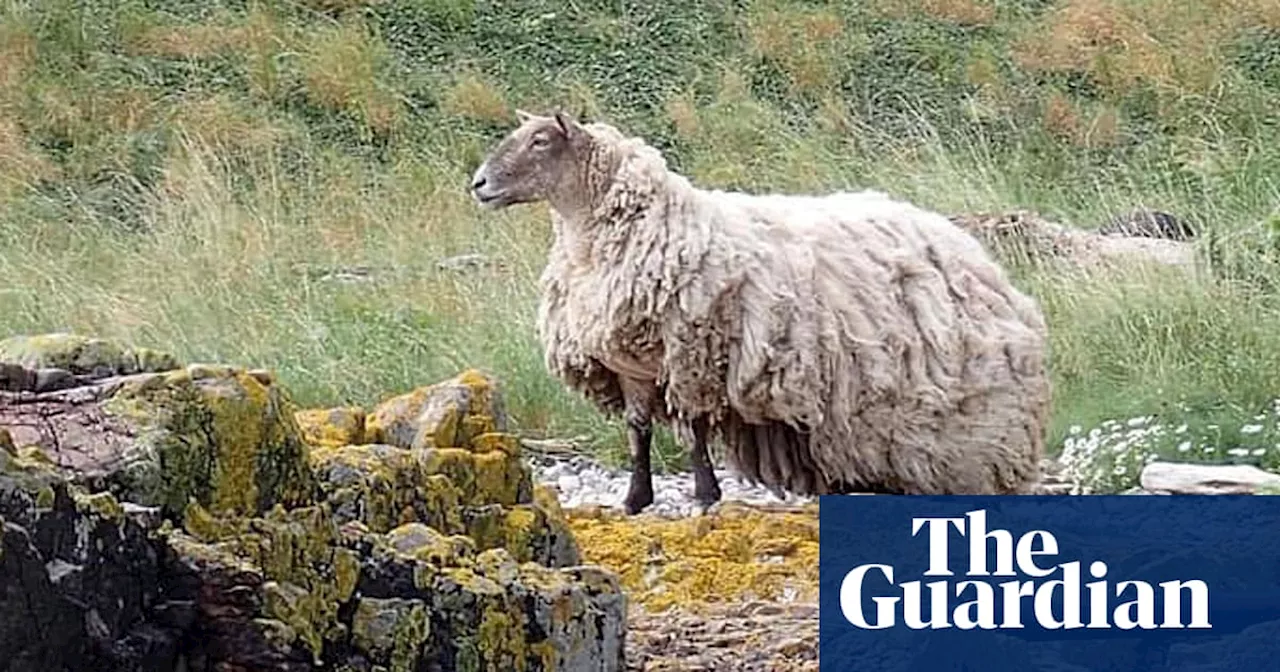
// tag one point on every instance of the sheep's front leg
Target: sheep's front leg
(639, 398)
(706, 488)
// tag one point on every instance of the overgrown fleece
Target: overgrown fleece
(196, 176)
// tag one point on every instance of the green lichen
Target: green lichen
(213, 434)
(104, 504)
(420, 542)
(392, 630)
(457, 464)
(384, 486)
(501, 639)
(298, 550)
(82, 355)
(31, 471)
(501, 478)
(307, 575)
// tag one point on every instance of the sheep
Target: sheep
(839, 343)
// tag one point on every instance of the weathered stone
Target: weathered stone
(214, 434)
(78, 580)
(384, 486)
(157, 521)
(488, 612)
(1148, 223)
(392, 632)
(332, 426)
(1025, 237)
(746, 636)
(1206, 479)
(445, 415)
(485, 495)
(83, 356)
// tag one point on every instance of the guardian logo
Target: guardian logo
(1033, 555)
(1028, 583)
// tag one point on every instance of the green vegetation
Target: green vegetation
(180, 174)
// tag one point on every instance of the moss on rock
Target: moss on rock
(384, 486)
(306, 574)
(290, 540)
(216, 435)
(83, 355)
(393, 631)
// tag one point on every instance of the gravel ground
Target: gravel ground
(585, 482)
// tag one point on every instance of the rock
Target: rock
(445, 415)
(744, 637)
(83, 356)
(463, 262)
(215, 434)
(1148, 223)
(489, 612)
(78, 578)
(1206, 479)
(332, 426)
(179, 520)
(487, 495)
(1028, 238)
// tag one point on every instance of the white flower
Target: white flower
(1251, 429)
(1181, 429)
(1238, 452)
(1259, 452)
(1184, 446)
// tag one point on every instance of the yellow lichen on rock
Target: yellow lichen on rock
(215, 434)
(307, 574)
(420, 542)
(385, 486)
(83, 355)
(342, 426)
(737, 553)
(448, 414)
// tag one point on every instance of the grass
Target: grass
(183, 175)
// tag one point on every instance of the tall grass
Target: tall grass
(196, 176)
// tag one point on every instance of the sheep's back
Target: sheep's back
(878, 324)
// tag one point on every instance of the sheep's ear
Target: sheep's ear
(566, 122)
(523, 117)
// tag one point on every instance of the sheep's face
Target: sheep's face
(529, 163)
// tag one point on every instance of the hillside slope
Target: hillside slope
(279, 182)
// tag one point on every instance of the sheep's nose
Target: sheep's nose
(477, 182)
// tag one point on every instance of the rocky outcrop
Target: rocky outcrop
(159, 516)
(1027, 238)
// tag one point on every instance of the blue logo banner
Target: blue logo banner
(1049, 583)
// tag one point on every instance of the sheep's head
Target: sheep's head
(532, 163)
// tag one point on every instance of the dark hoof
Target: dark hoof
(636, 501)
(706, 493)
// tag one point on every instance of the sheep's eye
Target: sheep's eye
(540, 141)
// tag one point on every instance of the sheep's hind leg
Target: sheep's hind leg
(706, 488)
(639, 414)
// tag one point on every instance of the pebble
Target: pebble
(583, 482)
